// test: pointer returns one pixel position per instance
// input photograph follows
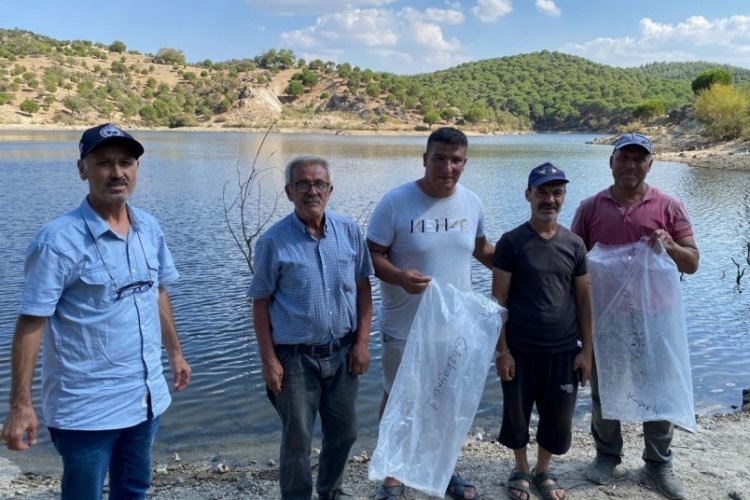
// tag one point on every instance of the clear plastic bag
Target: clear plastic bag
(437, 389)
(640, 339)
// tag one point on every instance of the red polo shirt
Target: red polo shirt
(601, 218)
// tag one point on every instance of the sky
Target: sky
(403, 36)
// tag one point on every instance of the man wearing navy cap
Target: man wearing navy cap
(624, 213)
(95, 296)
(540, 275)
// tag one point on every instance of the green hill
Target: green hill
(689, 70)
(79, 82)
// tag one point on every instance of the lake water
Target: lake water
(181, 179)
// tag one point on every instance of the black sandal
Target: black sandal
(389, 492)
(457, 488)
(514, 484)
(546, 489)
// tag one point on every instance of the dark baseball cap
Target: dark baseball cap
(631, 139)
(544, 173)
(107, 133)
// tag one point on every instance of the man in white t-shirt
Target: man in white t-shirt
(428, 228)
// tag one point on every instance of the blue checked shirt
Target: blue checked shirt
(311, 283)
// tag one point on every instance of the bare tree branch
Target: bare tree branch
(740, 274)
(246, 213)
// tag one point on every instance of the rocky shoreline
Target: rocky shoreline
(673, 144)
(732, 156)
(712, 464)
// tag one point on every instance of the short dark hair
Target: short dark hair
(448, 135)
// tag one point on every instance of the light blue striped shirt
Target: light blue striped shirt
(311, 283)
(101, 356)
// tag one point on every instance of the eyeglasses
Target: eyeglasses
(304, 186)
(132, 288)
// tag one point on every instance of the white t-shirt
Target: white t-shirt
(435, 236)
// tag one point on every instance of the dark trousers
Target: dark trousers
(315, 383)
(548, 380)
(607, 434)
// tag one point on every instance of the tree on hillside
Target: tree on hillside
(448, 114)
(710, 77)
(649, 109)
(344, 70)
(475, 114)
(276, 60)
(170, 56)
(295, 88)
(431, 117)
(307, 77)
(29, 106)
(316, 64)
(723, 110)
(75, 104)
(117, 46)
(286, 59)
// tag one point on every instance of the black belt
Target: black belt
(319, 349)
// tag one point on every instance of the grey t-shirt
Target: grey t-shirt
(436, 236)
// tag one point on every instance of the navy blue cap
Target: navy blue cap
(544, 173)
(96, 136)
(631, 139)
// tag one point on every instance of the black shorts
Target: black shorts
(548, 380)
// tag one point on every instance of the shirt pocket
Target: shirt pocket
(346, 269)
(96, 289)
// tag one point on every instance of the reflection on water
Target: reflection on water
(181, 180)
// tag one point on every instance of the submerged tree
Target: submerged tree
(245, 211)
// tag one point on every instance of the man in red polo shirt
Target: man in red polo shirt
(624, 213)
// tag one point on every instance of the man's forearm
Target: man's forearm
(364, 310)
(27, 338)
(262, 327)
(686, 258)
(169, 338)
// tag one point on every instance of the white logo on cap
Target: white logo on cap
(547, 170)
(111, 131)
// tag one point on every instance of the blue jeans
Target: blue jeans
(87, 455)
(312, 384)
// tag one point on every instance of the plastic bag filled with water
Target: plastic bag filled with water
(437, 389)
(640, 340)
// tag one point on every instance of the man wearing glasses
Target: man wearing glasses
(95, 297)
(312, 308)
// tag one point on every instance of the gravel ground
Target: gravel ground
(712, 464)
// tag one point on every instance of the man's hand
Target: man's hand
(359, 358)
(506, 367)
(180, 373)
(413, 282)
(683, 251)
(661, 239)
(582, 362)
(19, 430)
(273, 374)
